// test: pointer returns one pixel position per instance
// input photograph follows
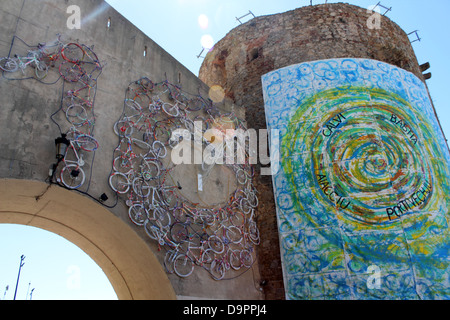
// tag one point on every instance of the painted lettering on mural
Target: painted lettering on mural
(405, 128)
(415, 200)
(328, 190)
(332, 125)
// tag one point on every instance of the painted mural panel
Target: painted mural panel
(363, 189)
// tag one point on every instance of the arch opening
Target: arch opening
(128, 263)
(52, 269)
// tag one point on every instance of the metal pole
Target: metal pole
(6, 290)
(28, 290)
(18, 276)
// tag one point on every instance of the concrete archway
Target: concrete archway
(129, 264)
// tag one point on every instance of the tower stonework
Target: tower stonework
(310, 33)
(326, 74)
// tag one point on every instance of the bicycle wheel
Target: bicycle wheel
(241, 176)
(235, 259)
(195, 104)
(162, 134)
(252, 199)
(9, 64)
(162, 217)
(234, 234)
(73, 53)
(119, 182)
(123, 128)
(171, 109)
(237, 219)
(72, 176)
(208, 256)
(245, 206)
(253, 233)
(152, 230)
(246, 258)
(137, 214)
(215, 244)
(150, 170)
(159, 149)
(87, 143)
(183, 266)
(179, 232)
(77, 115)
(70, 72)
(122, 164)
(217, 269)
(41, 70)
(168, 261)
(141, 187)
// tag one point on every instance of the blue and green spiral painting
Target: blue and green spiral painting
(364, 182)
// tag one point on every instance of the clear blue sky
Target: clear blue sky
(173, 24)
(56, 268)
(52, 264)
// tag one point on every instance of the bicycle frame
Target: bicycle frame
(13, 64)
(72, 174)
(51, 55)
(23, 64)
(79, 158)
(197, 257)
(77, 95)
(93, 60)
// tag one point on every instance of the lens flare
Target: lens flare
(203, 21)
(216, 93)
(207, 41)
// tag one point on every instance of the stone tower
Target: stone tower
(331, 76)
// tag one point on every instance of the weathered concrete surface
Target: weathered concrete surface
(28, 133)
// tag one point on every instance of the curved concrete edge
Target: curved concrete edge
(127, 261)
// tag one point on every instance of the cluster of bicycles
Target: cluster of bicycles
(43, 57)
(218, 237)
(79, 67)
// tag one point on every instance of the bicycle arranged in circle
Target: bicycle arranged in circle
(156, 118)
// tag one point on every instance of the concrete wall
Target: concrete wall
(28, 129)
(267, 43)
